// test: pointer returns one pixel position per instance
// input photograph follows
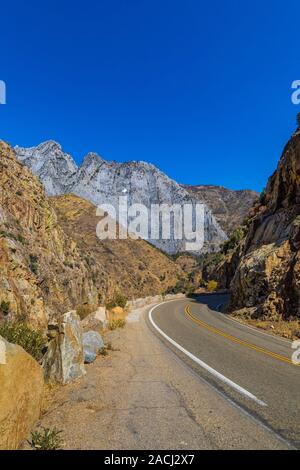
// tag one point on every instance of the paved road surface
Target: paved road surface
(143, 396)
(250, 367)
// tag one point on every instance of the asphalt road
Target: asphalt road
(143, 396)
(248, 366)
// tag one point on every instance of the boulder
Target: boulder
(258, 280)
(64, 360)
(21, 385)
(92, 344)
(95, 320)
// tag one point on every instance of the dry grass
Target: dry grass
(286, 329)
(118, 323)
(50, 388)
(84, 310)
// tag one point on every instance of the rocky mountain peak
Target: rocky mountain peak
(92, 158)
(48, 161)
(102, 182)
(49, 145)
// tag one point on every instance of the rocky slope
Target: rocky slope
(228, 206)
(101, 181)
(42, 272)
(266, 283)
(134, 266)
(50, 264)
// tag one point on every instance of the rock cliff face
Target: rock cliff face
(228, 206)
(42, 273)
(103, 182)
(267, 280)
(51, 260)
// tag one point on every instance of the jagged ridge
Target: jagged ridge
(101, 181)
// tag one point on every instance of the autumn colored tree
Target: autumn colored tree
(212, 286)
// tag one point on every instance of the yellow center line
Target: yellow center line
(235, 339)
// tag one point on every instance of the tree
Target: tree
(212, 286)
(298, 119)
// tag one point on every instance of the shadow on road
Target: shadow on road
(215, 301)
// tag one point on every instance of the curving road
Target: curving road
(248, 366)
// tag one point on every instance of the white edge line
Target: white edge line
(205, 366)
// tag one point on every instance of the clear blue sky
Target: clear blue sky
(199, 88)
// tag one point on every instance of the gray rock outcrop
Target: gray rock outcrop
(95, 320)
(64, 359)
(103, 182)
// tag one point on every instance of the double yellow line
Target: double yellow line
(235, 339)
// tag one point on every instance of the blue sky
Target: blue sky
(201, 89)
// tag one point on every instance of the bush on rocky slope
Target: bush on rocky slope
(33, 341)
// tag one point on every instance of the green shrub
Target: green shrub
(103, 351)
(190, 289)
(33, 260)
(31, 340)
(4, 307)
(182, 286)
(11, 235)
(119, 300)
(296, 221)
(47, 439)
(68, 264)
(236, 236)
(20, 238)
(213, 259)
(262, 196)
(84, 310)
